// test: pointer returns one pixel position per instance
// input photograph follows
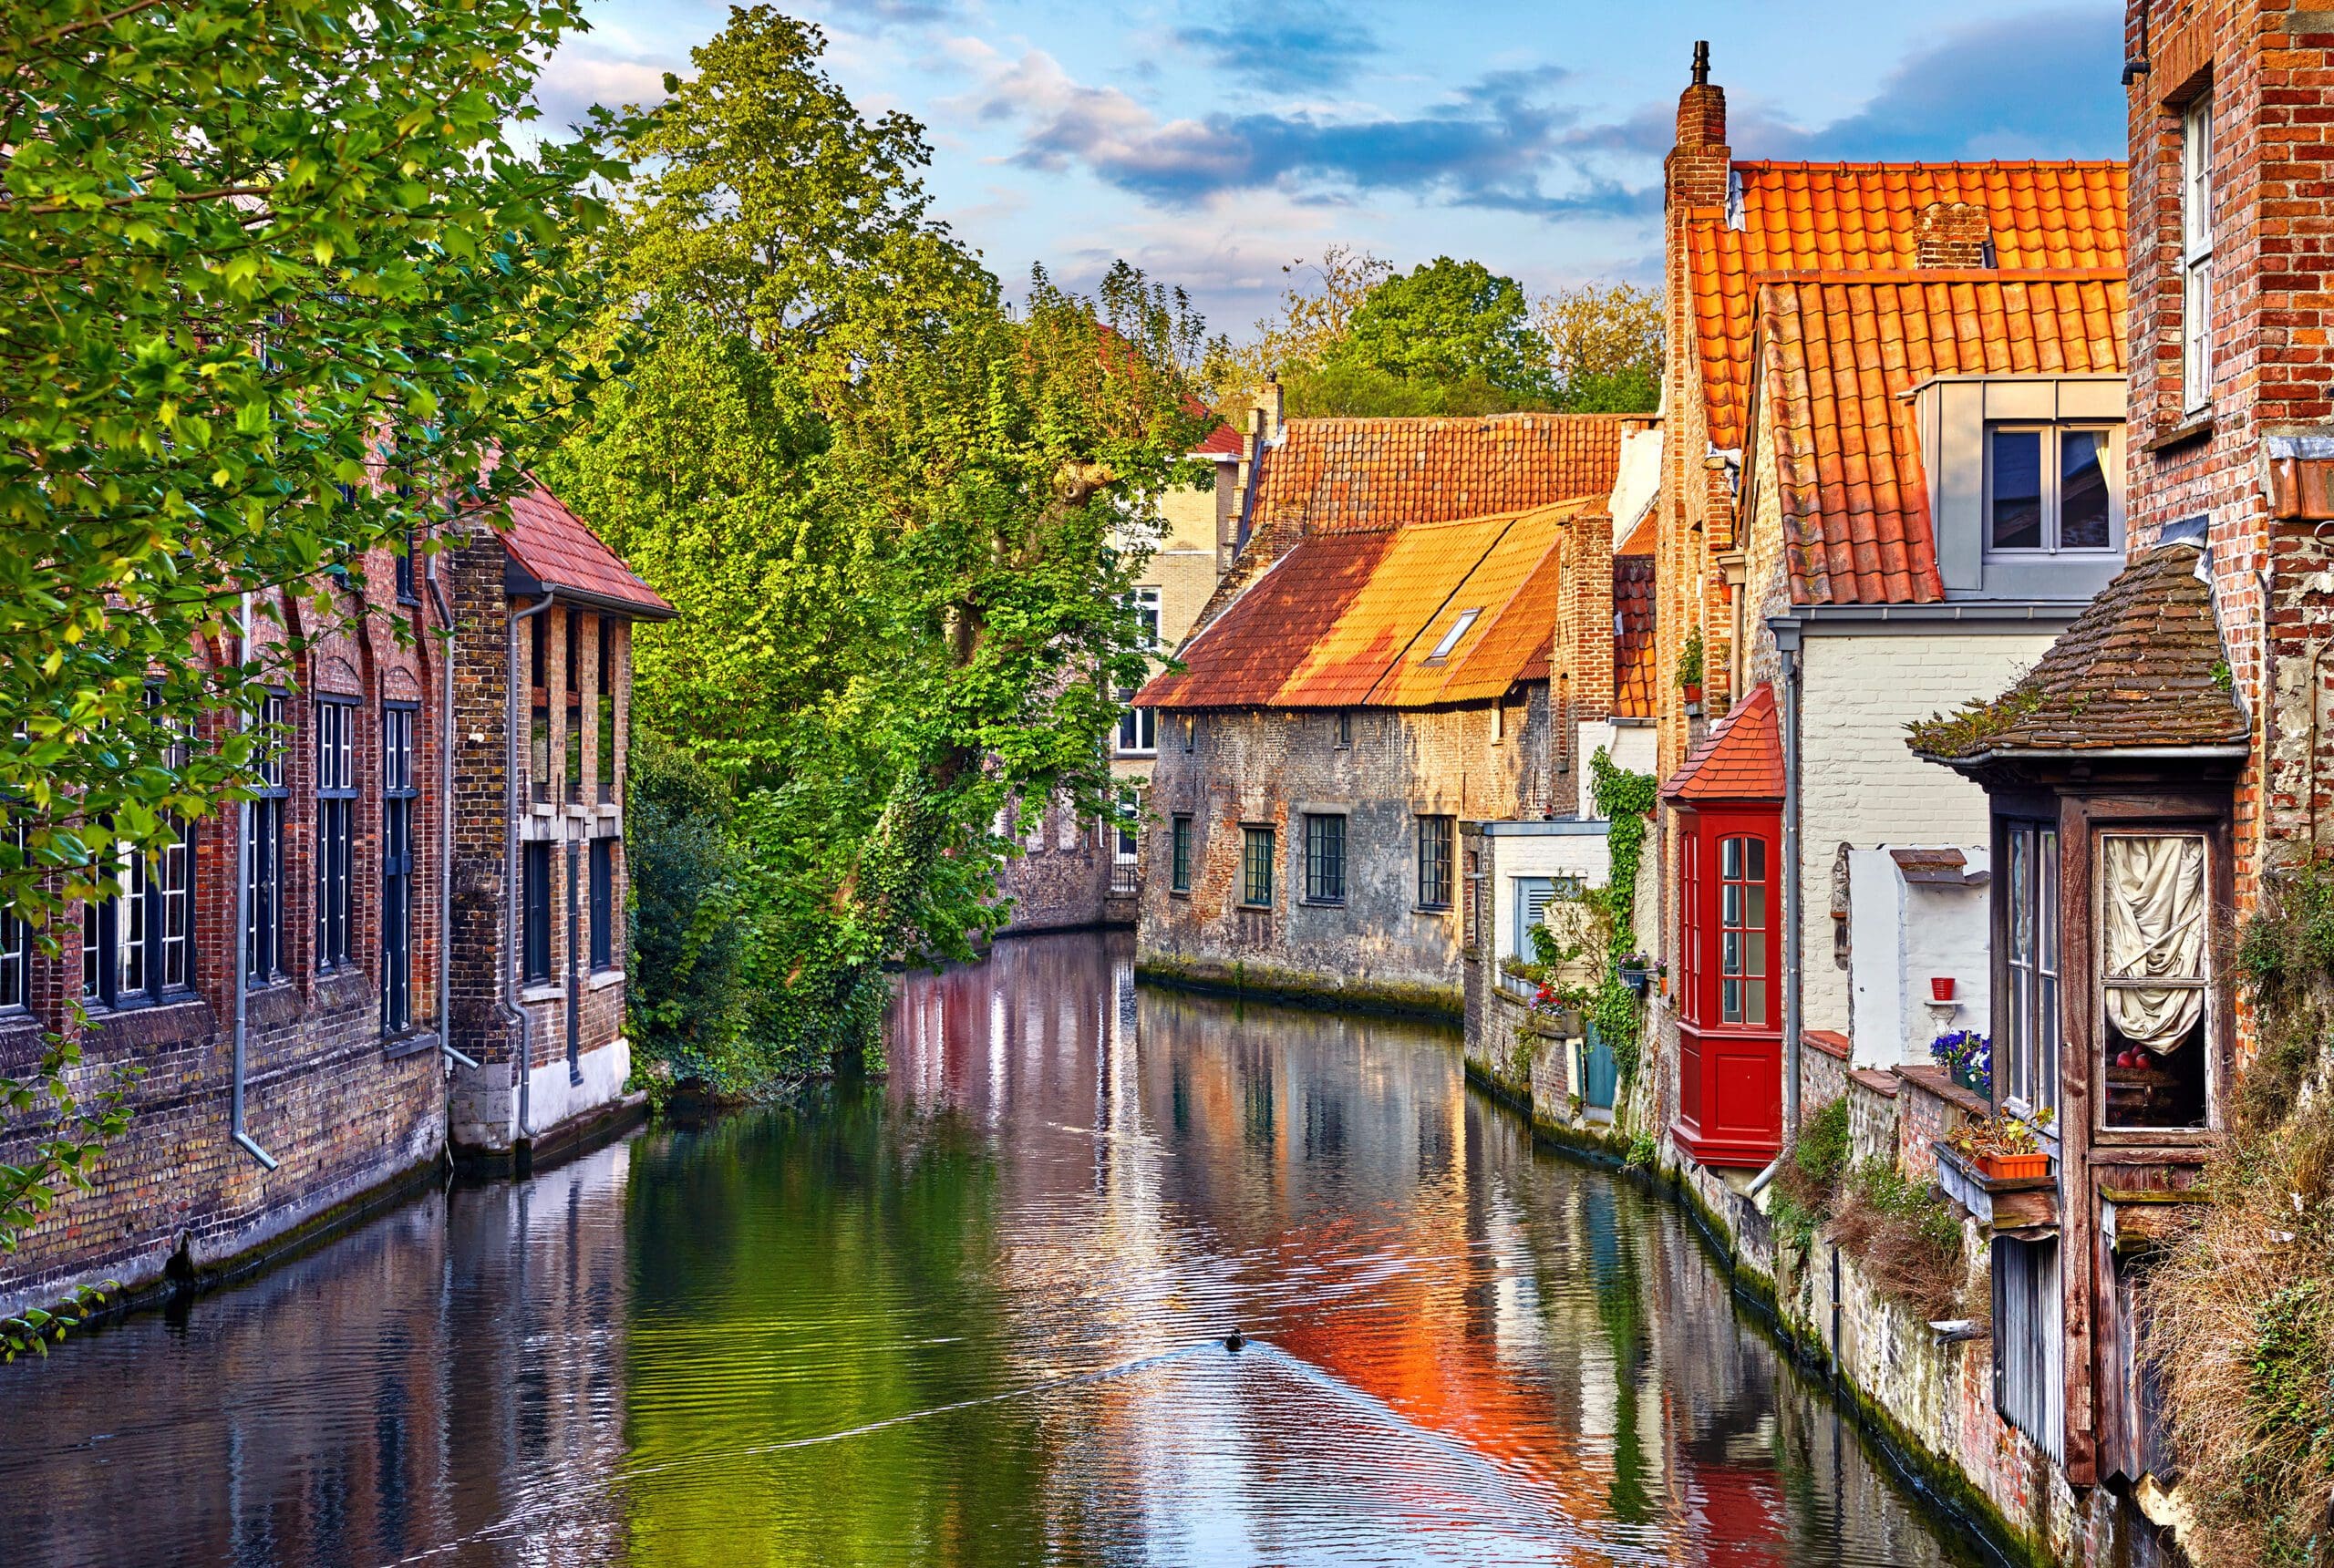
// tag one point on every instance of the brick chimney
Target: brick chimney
(1953, 234)
(1696, 169)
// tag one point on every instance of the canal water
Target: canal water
(975, 1313)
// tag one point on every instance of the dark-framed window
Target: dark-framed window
(399, 793)
(1436, 834)
(605, 695)
(1256, 867)
(1179, 858)
(406, 590)
(16, 935)
(1325, 858)
(604, 903)
(335, 733)
(539, 706)
(1344, 728)
(534, 911)
(2152, 978)
(2026, 1056)
(573, 748)
(138, 946)
(263, 860)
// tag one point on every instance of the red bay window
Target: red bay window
(1727, 800)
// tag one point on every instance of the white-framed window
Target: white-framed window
(1145, 604)
(1138, 728)
(1450, 638)
(2054, 489)
(2196, 254)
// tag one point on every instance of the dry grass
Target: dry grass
(1906, 1239)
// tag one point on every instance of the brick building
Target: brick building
(271, 1106)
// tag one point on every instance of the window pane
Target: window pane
(1755, 895)
(1754, 953)
(1755, 993)
(2196, 331)
(1729, 860)
(2083, 523)
(1754, 857)
(1730, 953)
(2021, 895)
(1731, 1001)
(2017, 490)
(1730, 905)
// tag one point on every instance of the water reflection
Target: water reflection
(974, 1315)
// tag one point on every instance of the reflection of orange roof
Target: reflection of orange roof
(1798, 217)
(1353, 619)
(1334, 476)
(1633, 672)
(1836, 352)
(1741, 758)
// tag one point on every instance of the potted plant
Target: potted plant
(1689, 669)
(1968, 1055)
(2003, 1147)
(1634, 970)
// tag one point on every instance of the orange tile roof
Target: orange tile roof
(1645, 537)
(550, 544)
(1797, 217)
(1351, 619)
(1634, 681)
(1338, 475)
(1837, 350)
(1741, 758)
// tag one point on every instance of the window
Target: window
(1191, 732)
(2052, 487)
(1435, 835)
(1138, 727)
(2152, 951)
(573, 748)
(2029, 1374)
(1742, 931)
(398, 794)
(1144, 602)
(15, 938)
(1325, 858)
(1690, 928)
(2027, 1057)
(2196, 256)
(136, 946)
(539, 707)
(264, 857)
(1450, 638)
(1127, 844)
(335, 729)
(406, 590)
(1179, 859)
(605, 695)
(1345, 728)
(604, 903)
(1256, 867)
(534, 912)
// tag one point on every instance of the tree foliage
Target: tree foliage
(1450, 323)
(899, 520)
(245, 242)
(1603, 348)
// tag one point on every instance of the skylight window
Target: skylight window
(1450, 638)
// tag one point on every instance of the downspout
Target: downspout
(1787, 645)
(574, 976)
(510, 1008)
(447, 729)
(241, 979)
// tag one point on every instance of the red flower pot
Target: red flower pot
(1693, 692)
(1941, 988)
(2015, 1167)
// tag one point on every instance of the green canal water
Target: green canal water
(974, 1313)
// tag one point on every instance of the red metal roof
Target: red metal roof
(1741, 758)
(1352, 619)
(550, 544)
(1836, 352)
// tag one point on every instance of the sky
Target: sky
(1215, 143)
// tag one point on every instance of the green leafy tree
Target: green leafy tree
(898, 517)
(249, 245)
(1604, 346)
(1451, 323)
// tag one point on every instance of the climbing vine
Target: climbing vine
(1626, 799)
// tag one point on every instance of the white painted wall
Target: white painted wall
(1630, 746)
(1861, 784)
(1904, 934)
(1528, 853)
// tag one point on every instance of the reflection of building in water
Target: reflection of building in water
(446, 1374)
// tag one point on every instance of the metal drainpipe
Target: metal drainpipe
(510, 1008)
(1787, 644)
(446, 730)
(241, 979)
(574, 976)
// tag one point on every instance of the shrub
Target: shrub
(1807, 1184)
(1906, 1239)
(682, 986)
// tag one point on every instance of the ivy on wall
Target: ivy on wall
(1626, 799)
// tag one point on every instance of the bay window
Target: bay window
(1729, 994)
(2154, 1062)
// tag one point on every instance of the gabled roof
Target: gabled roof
(1634, 680)
(1352, 619)
(1741, 758)
(1340, 476)
(550, 548)
(1837, 351)
(2141, 666)
(1801, 217)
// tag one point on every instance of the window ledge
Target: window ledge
(1254, 908)
(542, 991)
(1429, 909)
(2194, 428)
(604, 978)
(541, 808)
(399, 1047)
(1179, 893)
(1322, 902)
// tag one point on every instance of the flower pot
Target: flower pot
(1978, 1080)
(2014, 1167)
(1693, 690)
(1941, 988)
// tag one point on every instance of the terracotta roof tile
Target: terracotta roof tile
(1634, 688)
(1799, 217)
(2143, 666)
(1338, 475)
(1741, 758)
(1351, 619)
(550, 544)
(1836, 352)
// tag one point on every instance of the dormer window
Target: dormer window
(2052, 489)
(1450, 638)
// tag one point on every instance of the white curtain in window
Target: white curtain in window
(2153, 929)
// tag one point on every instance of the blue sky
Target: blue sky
(1212, 143)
